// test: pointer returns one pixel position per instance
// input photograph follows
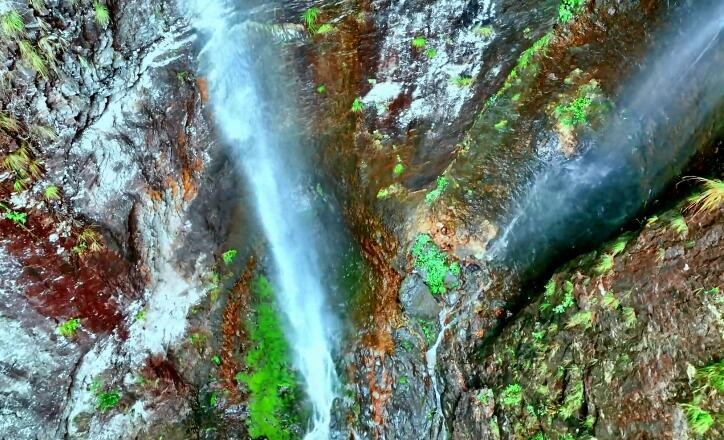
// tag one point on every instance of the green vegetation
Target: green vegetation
(321, 89)
(610, 301)
(700, 421)
(141, 315)
(12, 25)
(229, 256)
(629, 316)
(69, 328)
(502, 125)
(310, 17)
(568, 299)
(568, 9)
(17, 217)
(216, 359)
(432, 261)
(678, 224)
(108, 400)
(581, 319)
(463, 80)
(419, 42)
(605, 264)
(711, 198)
(51, 192)
(441, 184)
(357, 105)
(399, 168)
(574, 113)
(326, 28)
(484, 396)
(431, 53)
(8, 123)
(429, 330)
(484, 31)
(32, 58)
(103, 15)
(198, 340)
(574, 398)
(89, 241)
(712, 376)
(271, 382)
(512, 395)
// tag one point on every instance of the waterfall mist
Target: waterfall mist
(672, 107)
(249, 100)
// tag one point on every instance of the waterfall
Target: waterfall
(672, 107)
(238, 68)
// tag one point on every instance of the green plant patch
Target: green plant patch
(433, 263)
(108, 400)
(273, 387)
(512, 395)
(69, 328)
(441, 184)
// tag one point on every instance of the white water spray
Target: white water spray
(230, 61)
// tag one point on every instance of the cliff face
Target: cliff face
(120, 225)
(121, 319)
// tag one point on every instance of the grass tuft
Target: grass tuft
(700, 421)
(310, 17)
(12, 25)
(710, 199)
(33, 58)
(103, 15)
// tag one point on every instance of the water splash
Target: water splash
(669, 110)
(243, 89)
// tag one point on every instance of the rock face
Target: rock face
(120, 319)
(116, 126)
(416, 299)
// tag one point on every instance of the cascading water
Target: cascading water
(668, 111)
(240, 82)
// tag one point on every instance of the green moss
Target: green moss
(399, 169)
(272, 384)
(574, 113)
(108, 400)
(433, 262)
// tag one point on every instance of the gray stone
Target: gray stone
(416, 298)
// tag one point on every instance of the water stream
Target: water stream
(244, 93)
(669, 110)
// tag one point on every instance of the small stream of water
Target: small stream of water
(248, 104)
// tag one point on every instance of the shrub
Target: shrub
(568, 9)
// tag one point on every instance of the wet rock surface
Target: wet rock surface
(148, 201)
